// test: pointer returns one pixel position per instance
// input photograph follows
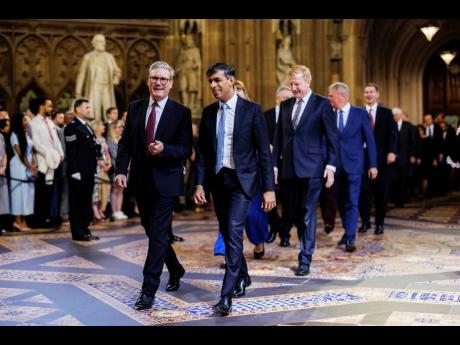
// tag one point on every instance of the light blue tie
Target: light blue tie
(341, 126)
(220, 138)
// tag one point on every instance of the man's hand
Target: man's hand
(269, 201)
(391, 158)
(412, 160)
(199, 197)
(120, 180)
(156, 148)
(372, 172)
(62, 158)
(329, 174)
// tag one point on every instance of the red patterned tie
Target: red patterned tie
(371, 118)
(150, 129)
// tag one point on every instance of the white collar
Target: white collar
(231, 102)
(161, 103)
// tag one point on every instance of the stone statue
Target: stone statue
(284, 61)
(336, 50)
(98, 74)
(188, 69)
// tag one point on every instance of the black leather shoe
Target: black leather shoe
(271, 237)
(178, 238)
(342, 241)
(174, 281)
(285, 242)
(379, 230)
(223, 265)
(350, 246)
(240, 288)
(364, 227)
(223, 307)
(93, 237)
(84, 238)
(259, 255)
(302, 270)
(144, 302)
(328, 229)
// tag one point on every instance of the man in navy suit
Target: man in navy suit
(157, 138)
(306, 139)
(232, 158)
(354, 130)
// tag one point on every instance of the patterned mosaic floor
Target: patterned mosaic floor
(409, 276)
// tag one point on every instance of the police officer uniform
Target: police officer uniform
(82, 154)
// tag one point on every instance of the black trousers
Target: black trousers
(374, 190)
(156, 213)
(231, 205)
(80, 210)
(42, 203)
(328, 205)
(274, 218)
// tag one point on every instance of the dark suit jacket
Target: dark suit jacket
(302, 150)
(407, 145)
(357, 131)
(251, 150)
(174, 131)
(385, 134)
(270, 119)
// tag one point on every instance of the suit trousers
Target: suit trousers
(376, 190)
(231, 205)
(302, 194)
(156, 214)
(42, 204)
(347, 188)
(274, 219)
(80, 210)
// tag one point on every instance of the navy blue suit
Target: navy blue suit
(156, 179)
(305, 151)
(233, 189)
(356, 132)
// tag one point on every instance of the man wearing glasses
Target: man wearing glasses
(156, 139)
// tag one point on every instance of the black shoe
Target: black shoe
(174, 281)
(285, 242)
(350, 246)
(379, 230)
(342, 241)
(178, 239)
(363, 229)
(328, 229)
(259, 255)
(93, 237)
(302, 270)
(83, 238)
(144, 302)
(271, 237)
(240, 288)
(223, 307)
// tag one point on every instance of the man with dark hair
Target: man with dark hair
(233, 158)
(49, 155)
(82, 153)
(111, 115)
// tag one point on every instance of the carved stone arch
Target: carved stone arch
(115, 48)
(65, 98)
(32, 62)
(31, 90)
(68, 55)
(141, 54)
(5, 100)
(6, 65)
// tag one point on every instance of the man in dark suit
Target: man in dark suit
(386, 137)
(354, 130)
(271, 118)
(82, 153)
(405, 159)
(157, 138)
(232, 157)
(306, 139)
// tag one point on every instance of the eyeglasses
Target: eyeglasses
(163, 81)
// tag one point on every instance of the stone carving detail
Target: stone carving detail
(141, 55)
(115, 49)
(32, 62)
(68, 55)
(5, 65)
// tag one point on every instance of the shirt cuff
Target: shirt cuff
(76, 176)
(451, 163)
(330, 167)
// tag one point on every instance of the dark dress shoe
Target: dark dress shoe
(144, 302)
(93, 237)
(342, 241)
(285, 242)
(174, 281)
(302, 270)
(364, 227)
(83, 238)
(271, 237)
(178, 239)
(259, 255)
(350, 246)
(240, 288)
(379, 230)
(328, 229)
(223, 307)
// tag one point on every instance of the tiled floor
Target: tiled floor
(408, 276)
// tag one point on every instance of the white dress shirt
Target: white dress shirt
(228, 160)
(429, 129)
(277, 113)
(304, 104)
(374, 110)
(158, 111)
(346, 111)
(399, 125)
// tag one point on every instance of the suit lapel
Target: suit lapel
(237, 121)
(214, 109)
(141, 119)
(288, 114)
(377, 117)
(307, 110)
(165, 118)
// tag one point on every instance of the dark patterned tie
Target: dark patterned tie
(150, 128)
(371, 118)
(295, 120)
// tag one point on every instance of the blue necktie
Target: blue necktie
(341, 121)
(220, 138)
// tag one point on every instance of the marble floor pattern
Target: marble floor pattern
(408, 276)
